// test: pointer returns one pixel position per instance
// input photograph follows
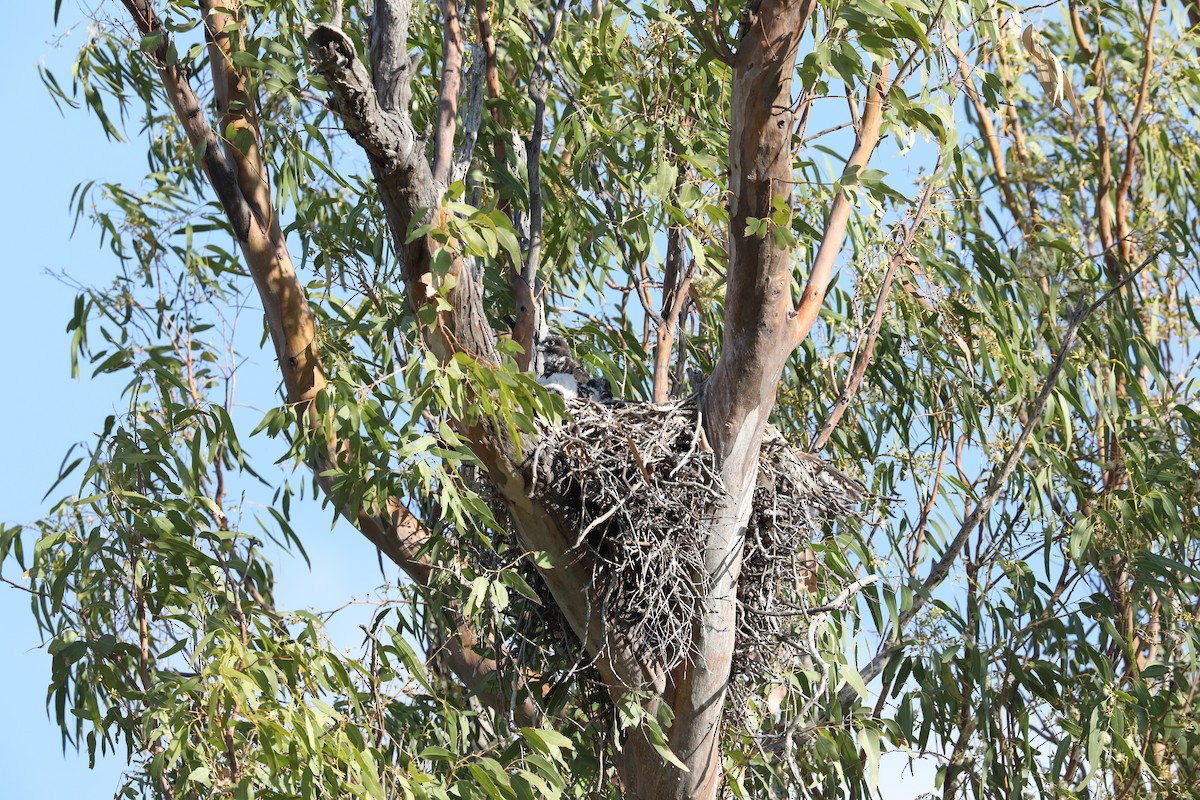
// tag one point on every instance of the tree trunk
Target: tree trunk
(761, 331)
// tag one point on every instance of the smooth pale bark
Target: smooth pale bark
(762, 329)
(760, 334)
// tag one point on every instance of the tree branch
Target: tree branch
(999, 479)
(987, 131)
(528, 304)
(760, 324)
(222, 175)
(447, 102)
(862, 359)
(400, 535)
(238, 120)
(1124, 242)
(675, 291)
(834, 234)
(375, 113)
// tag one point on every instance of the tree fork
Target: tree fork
(375, 113)
(239, 179)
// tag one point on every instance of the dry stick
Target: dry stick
(1124, 245)
(525, 284)
(854, 380)
(820, 615)
(999, 480)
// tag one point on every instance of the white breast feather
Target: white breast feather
(561, 382)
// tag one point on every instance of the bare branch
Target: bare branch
(863, 358)
(447, 102)
(676, 282)
(999, 478)
(1124, 241)
(528, 304)
(487, 40)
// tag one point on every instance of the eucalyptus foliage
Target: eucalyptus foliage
(1031, 630)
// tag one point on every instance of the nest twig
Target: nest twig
(797, 495)
(635, 480)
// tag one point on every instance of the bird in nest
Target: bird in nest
(562, 374)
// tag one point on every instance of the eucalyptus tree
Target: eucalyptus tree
(1000, 352)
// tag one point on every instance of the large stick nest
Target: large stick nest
(797, 497)
(637, 482)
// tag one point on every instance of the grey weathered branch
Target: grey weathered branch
(385, 134)
(998, 481)
(409, 194)
(471, 114)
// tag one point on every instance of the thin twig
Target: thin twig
(529, 313)
(999, 479)
(854, 379)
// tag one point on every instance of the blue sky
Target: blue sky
(45, 410)
(47, 154)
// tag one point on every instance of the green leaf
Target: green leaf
(868, 739)
(518, 583)
(854, 679)
(150, 42)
